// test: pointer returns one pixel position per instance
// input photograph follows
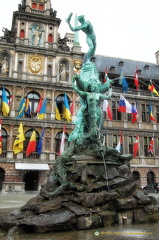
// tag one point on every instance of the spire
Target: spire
(76, 44)
(76, 33)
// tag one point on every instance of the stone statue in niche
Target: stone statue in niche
(37, 33)
(4, 66)
(63, 72)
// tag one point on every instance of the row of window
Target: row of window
(50, 36)
(144, 115)
(27, 137)
(150, 177)
(143, 141)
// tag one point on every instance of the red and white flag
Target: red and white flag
(136, 147)
(61, 150)
(11, 99)
(136, 79)
(107, 109)
(72, 107)
(0, 136)
(106, 76)
(151, 146)
(119, 145)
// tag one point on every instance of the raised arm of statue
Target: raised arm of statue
(107, 96)
(87, 28)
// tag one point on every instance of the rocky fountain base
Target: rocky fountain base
(92, 194)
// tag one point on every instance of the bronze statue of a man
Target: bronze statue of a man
(87, 28)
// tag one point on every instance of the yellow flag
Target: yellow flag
(57, 114)
(20, 138)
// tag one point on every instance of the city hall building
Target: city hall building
(37, 64)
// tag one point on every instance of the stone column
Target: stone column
(26, 41)
(45, 69)
(53, 104)
(46, 36)
(10, 143)
(54, 73)
(52, 149)
(24, 70)
(12, 104)
(15, 72)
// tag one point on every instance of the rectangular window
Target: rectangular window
(132, 140)
(115, 141)
(116, 115)
(130, 144)
(129, 115)
(145, 113)
(157, 113)
(146, 146)
(20, 65)
(41, 7)
(34, 5)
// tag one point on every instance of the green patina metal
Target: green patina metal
(87, 28)
(86, 140)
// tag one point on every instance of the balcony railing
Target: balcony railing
(3, 154)
(33, 156)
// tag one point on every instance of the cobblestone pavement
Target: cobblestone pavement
(15, 200)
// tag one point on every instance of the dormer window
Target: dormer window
(121, 63)
(139, 72)
(112, 68)
(146, 66)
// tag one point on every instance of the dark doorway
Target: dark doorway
(2, 176)
(150, 178)
(31, 179)
(135, 176)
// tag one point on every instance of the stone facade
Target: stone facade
(34, 61)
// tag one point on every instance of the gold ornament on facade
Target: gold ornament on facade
(35, 63)
(77, 65)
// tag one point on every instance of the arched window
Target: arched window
(49, 70)
(20, 65)
(136, 175)
(60, 104)
(2, 176)
(50, 38)
(58, 142)
(150, 178)
(4, 140)
(34, 100)
(22, 33)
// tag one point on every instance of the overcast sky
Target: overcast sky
(124, 28)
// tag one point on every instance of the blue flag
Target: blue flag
(40, 143)
(21, 108)
(124, 85)
(123, 82)
(43, 110)
(66, 112)
(5, 104)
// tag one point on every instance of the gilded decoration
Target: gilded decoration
(35, 63)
